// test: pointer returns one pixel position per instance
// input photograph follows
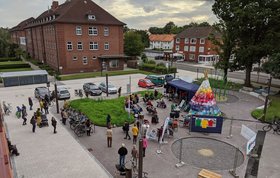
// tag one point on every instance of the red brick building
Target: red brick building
(76, 36)
(194, 44)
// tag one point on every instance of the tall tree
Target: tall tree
(256, 26)
(133, 45)
(155, 30)
(168, 27)
(4, 42)
(144, 37)
(272, 66)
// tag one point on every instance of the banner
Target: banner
(207, 124)
(165, 126)
(250, 135)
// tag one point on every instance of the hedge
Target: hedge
(157, 69)
(9, 66)
(9, 59)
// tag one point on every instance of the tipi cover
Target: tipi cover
(203, 102)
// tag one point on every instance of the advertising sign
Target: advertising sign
(208, 124)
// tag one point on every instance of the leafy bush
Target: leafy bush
(8, 66)
(161, 64)
(151, 62)
(160, 69)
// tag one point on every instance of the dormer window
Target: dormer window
(91, 17)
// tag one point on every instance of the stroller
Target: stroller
(161, 104)
(44, 121)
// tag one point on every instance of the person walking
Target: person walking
(120, 91)
(108, 120)
(88, 125)
(24, 114)
(145, 145)
(126, 129)
(41, 105)
(30, 102)
(54, 122)
(134, 133)
(46, 107)
(33, 122)
(122, 152)
(64, 116)
(134, 154)
(109, 134)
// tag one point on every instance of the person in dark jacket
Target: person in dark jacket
(24, 114)
(108, 120)
(33, 122)
(88, 125)
(54, 122)
(30, 102)
(122, 152)
(46, 107)
(126, 129)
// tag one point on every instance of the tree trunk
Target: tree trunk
(225, 75)
(248, 76)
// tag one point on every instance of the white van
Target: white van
(62, 93)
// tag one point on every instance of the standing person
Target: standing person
(38, 116)
(41, 105)
(23, 114)
(156, 94)
(109, 134)
(145, 145)
(33, 122)
(126, 129)
(134, 154)
(47, 98)
(46, 107)
(122, 152)
(64, 116)
(108, 120)
(88, 125)
(119, 91)
(54, 122)
(134, 133)
(30, 102)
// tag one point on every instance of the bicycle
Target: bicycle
(135, 170)
(275, 125)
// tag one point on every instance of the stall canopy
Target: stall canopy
(180, 84)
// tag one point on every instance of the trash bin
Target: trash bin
(128, 173)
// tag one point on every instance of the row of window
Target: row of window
(92, 46)
(92, 31)
(191, 48)
(191, 40)
(112, 63)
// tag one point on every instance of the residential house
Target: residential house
(76, 36)
(194, 44)
(161, 41)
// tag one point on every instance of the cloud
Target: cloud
(138, 14)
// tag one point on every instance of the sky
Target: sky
(137, 14)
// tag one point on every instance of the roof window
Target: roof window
(91, 17)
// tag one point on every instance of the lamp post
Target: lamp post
(56, 99)
(266, 98)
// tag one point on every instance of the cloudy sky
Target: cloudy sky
(138, 14)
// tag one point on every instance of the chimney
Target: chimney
(54, 5)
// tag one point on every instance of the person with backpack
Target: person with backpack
(33, 122)
(54, 122)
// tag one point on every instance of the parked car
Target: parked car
(168, 77)
(145, 83)
(92, 89)
(62, 93)
(111, 88)
(41, 92)
(156, 79)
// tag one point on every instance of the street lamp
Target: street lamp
(56, 99)
(266, 98)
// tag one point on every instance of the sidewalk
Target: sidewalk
(44, 154)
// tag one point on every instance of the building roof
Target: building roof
(197, 32)
(76, 11)
(22, 24)
(23, 73)
(162, 37)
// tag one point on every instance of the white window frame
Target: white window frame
(202, 41)
(95, 31)
(85, 59)
(95, 45)
(192, 48)
(106, 46)
(79, 30)
(187, 40)
(69, 46)
(91, 45)
(94, 57)
(193, 41)
(91, 17)
(186, 48)
(177, 40)
(80, 44)
(75, 58)
(177, 47)
(114, 65)
(193, 57)
(90, 30)
(106, 31)
(201, 49)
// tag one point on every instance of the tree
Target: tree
(144, 37)
(133, 45)
(255, 24)
(272, 65)
(168, 27)
(4, 42)
(155, 30)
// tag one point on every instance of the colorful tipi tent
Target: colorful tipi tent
(203, 102)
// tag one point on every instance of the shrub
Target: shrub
(9, 59)
(161, 64)
(13, 66)
(151, 62)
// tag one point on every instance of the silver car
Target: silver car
(111, 88)
(62, 93)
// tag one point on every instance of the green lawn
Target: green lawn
(15, 70)
(11, 62)
(97, 110)
(98, 74)
(219, 84)
(272, 111)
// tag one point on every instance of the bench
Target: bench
(204, 173)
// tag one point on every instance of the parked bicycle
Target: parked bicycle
(7, 108)
(275, 125)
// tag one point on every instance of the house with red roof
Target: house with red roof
(194, 44)
(76, 36)
(161, 41)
